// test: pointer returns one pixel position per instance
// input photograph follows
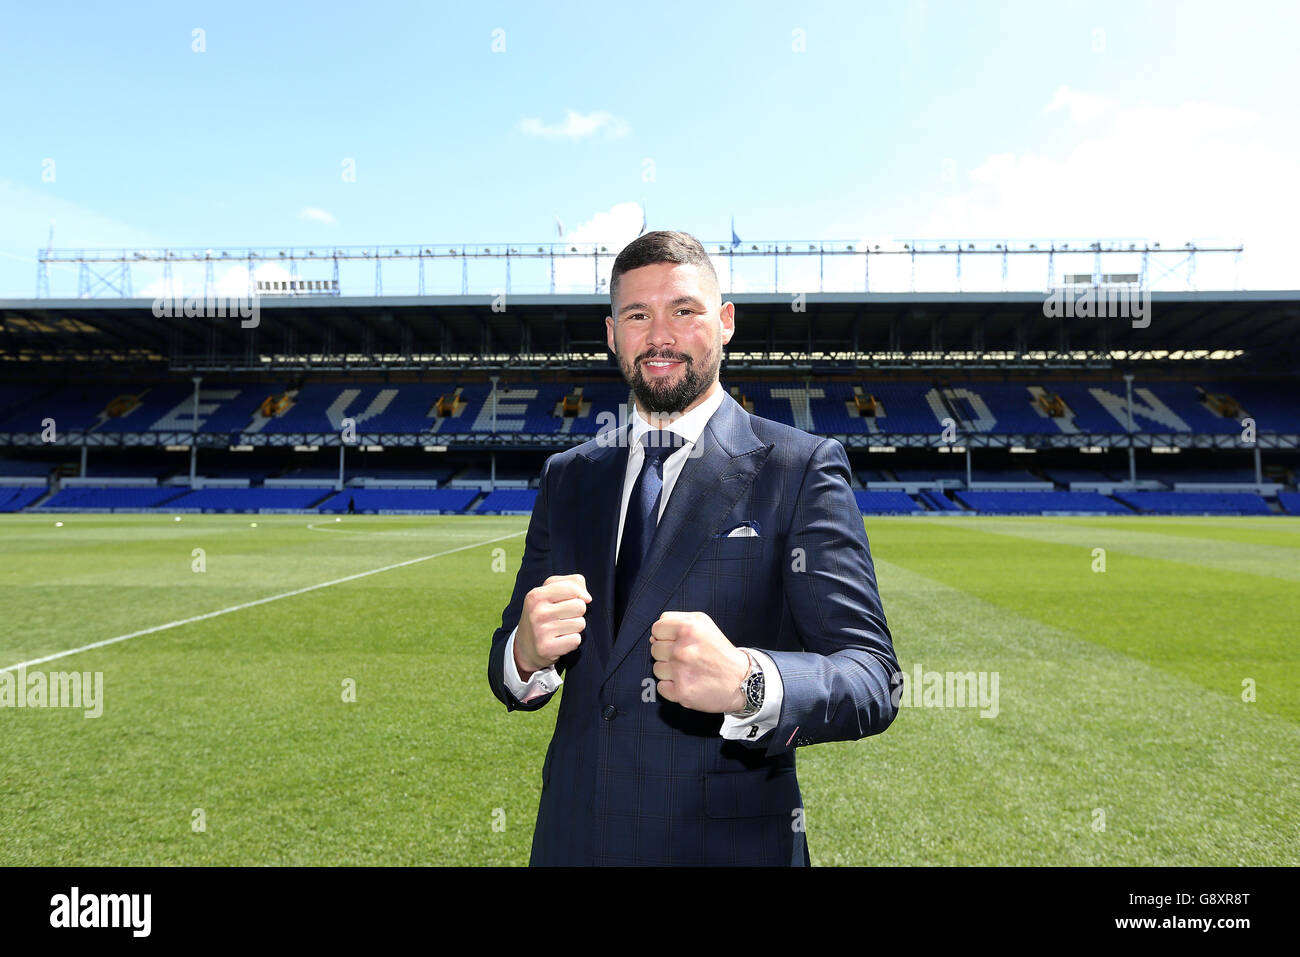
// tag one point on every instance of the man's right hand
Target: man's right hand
(551, 624)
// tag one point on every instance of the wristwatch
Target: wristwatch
(752, 686)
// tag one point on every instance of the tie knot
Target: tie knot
(661, 443)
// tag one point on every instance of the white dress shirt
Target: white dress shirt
(689, 426)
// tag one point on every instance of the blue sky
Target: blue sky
(844, 121)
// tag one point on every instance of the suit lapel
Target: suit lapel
(726, 461)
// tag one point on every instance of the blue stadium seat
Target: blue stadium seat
(938, 501)
(1035, 503)
(112, 496)
(886, 502)
(1196, 503)
(508, 501)
(910, 407)
(249, 499)
(15, 498)
(401, 499)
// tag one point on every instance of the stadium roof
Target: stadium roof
(822, 332)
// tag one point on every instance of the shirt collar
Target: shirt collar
(688, 426)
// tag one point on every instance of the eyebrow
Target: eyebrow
(680, 300)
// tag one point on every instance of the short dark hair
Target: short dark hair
(660, 246)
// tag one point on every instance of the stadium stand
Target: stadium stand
(271, 426)
(247, 499)
(147, 470)
(1009, 476)
(823, 407)
(14, 498)
(440, 500)
(1195, 503)
(1203, 474)
(868, 476)
(22, 468)
(886, 503)
(932, 475)
(938, 501)
(438, 474)
(1065, 475)
(1032, 503)
(310, 473)
(478, 477)
(508, 502)
(111, 497)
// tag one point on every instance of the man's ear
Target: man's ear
(727, 314)
(609, 334)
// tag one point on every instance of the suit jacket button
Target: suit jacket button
(608, 712)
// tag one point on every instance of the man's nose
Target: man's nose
(660, 333)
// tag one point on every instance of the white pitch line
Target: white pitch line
(252, 604)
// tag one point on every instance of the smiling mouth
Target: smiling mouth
(659, 367)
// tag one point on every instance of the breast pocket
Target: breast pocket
(725, 581)
(740, 550)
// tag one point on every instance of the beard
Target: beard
(663, 397)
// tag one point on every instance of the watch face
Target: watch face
(754, 691)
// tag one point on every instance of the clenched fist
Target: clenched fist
(551, 623)
(695, 664)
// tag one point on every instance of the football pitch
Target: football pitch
(303, 690)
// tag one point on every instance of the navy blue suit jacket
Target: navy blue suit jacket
(631, 779)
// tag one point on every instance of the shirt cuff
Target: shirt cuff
(541, 683)
(769, 716)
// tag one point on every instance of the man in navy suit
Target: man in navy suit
(700, 582)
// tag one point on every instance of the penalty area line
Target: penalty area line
(253, 604)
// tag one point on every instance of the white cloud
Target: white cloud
(576, 126)
(1083, 107)
(317, 215)
(1198, 171)
(614, 227)
(611, 229)
(230, 282)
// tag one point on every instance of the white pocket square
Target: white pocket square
(742, 531)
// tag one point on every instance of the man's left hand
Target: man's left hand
(696, 666)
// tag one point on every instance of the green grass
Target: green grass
(1120, 693)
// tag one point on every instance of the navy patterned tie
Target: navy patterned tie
(642, 515)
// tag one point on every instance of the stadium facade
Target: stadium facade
(948, 402)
